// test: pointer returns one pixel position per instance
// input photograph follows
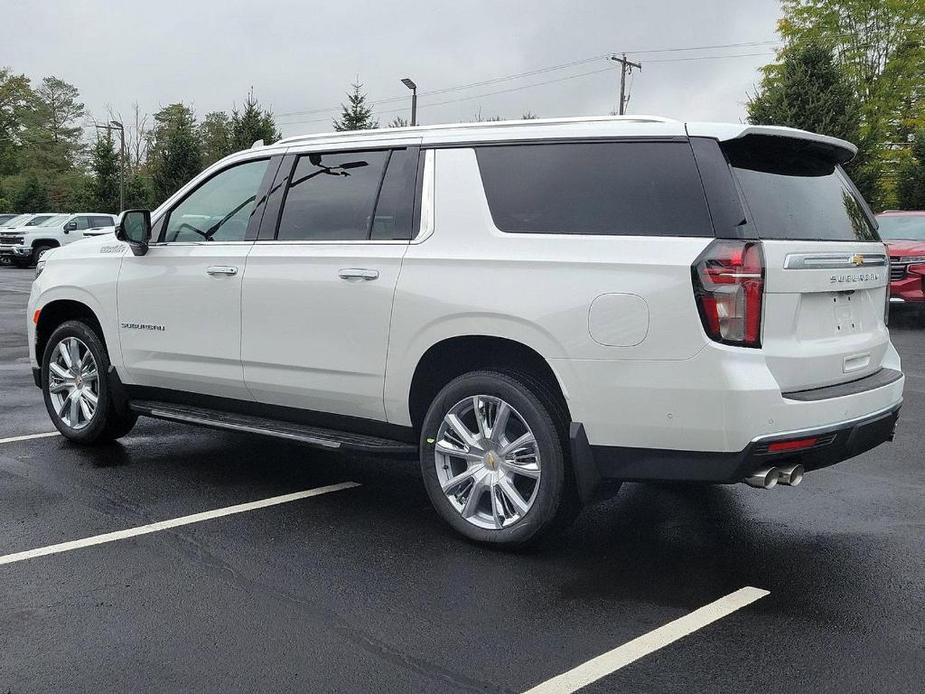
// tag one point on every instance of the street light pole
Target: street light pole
(408, 82)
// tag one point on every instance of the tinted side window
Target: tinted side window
(83, 222)
(97, 222)
(603, 188)
(394, 210)
(331, 196)
(220, 209)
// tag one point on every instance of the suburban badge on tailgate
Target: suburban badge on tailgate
(851, 279)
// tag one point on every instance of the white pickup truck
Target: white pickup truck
(24, 245)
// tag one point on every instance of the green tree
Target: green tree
(52, 137)
(252, 123)
(32, 196)
(175, 153)
(399, 122)
(104, 164)
(16, 99)
(810, 91)
(911, 184)
(139, 192)
(355, 114)
(880, 44)
(215, 134)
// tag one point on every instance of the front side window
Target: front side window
(602, 188)
(220, 209)
(331, 196)
(97, 222)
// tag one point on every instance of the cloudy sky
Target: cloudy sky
(300, 57)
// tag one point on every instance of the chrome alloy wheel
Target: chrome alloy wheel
(488, 461)
(73, 382)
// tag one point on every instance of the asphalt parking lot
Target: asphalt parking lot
(364, 589)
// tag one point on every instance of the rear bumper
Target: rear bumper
(835, 443)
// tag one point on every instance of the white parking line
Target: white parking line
(173, 523)
(622, 656)
(28, 437)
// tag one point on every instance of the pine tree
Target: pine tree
(811, 91)
(911, 184)
(215, 134)
(251, 124)
(355, 114)
(52, 137)
(175, 153)
(32, 196)
(105, 166)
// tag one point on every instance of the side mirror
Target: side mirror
(134, 227)
(70, 226)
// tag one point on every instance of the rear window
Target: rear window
(794, 192)
(600, 188)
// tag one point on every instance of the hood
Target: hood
(900, 249)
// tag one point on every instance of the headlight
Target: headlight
(912, 259)
(39, 266)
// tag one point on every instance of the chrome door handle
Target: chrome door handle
(356, 273)
(222, 270)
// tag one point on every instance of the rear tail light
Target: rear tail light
(729, 289)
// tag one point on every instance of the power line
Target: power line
(520, 88)
(530, 73)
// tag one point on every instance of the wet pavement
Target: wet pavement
(366, 590)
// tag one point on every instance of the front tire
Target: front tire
(492, 459)
(77, 388)
(39, 251)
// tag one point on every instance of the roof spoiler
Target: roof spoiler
(839, 151)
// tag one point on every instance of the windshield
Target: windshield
(54, 221)
(902, 227)
(35, 221)
(16, 221)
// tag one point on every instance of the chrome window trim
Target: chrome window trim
(428, 216)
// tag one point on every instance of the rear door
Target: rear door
(827, 272)
(319, 283)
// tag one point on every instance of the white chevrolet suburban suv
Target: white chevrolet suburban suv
(536, 310)
(25, 245)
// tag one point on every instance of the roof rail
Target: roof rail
(475, 126)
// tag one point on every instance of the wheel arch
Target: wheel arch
(454, 356)
(52, 243)
(59, 311)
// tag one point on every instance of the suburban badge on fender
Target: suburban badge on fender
(144, 326)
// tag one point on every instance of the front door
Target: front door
(180, 304)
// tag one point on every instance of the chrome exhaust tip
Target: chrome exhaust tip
(791, 476)
(765, 478)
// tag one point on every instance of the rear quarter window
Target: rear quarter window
(595, 188)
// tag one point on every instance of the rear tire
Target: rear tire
(483, 483)
(77, 387)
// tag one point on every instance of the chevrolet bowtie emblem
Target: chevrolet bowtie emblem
(857, 259)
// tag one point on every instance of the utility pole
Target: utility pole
(626, 67)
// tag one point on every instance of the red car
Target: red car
(904, 234)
